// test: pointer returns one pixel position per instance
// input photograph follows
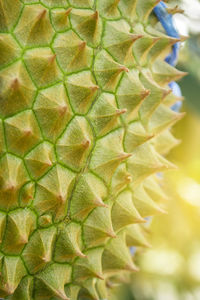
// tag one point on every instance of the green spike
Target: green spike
(135, 236)
(128, 8)
(88, 194)
(24, 290)
(75, 143)
(82, 91)
(53, 192)
(107, 71)
(9, 13)
(109, 8)
(38, 252)
(22, 132)
(68, 243)
(52, 280)
(12, 272)
(130, 94)
(17, 89)
(119, 41)
(144, 8)
(120, 179)
(98, 227)
(88, 25)
(144, 204)
(108, 154)
(34, 19)
(124, 212)
(41, 64)
(13, 176)
(163, 73)
(60, 18)
(164, 142)
(72, 291)
(135, 136)
(73, 54)
(53, 111)
(89, 289)
(20, 225)
(104, 114)
(9, 49)
(40, 159)
(116, 256)
(89, 266)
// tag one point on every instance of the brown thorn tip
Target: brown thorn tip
(111, 233)
(42, 14)
(96, 15)
(80, 254)
(123, 68)
(121, 111)
(100, 276)
(68, 11)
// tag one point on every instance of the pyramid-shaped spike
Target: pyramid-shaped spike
(89, 289)
(98, 227)
(82, 91)
(22, 132)
(144, 8)
(38, 252)
(142, 47)
(32, 20)
(13, 176)
(124, 212)
(27, 194)
(12, 271)
(55, 3)
(60, 18)
(72, 53)
(41, 63)
(87, 195)
(53, 192)
(53, 102)
(40, 159)
(68, 243)
(164, 142)
(144, 204)
(52, 280)
(108, 154)
(135, 136)
(120, 179)
(104, 114)
(72, 291)
(162, 119)
(128, 8)
(109, 8)
(9, 12)
(144, 162)
(118, 41)
(20, 225)
(88, 25)
(88, 267)
(101, 289)
(157, 94)
(107, 71)
(74, 145)
(9, 49)
(116, 256)
(163, 73)
(135, 236)
(130, 94)
(17, 89)
(24, 289)
(153, 187)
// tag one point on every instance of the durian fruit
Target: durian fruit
(84, 121)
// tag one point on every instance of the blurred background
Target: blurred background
(170, 269)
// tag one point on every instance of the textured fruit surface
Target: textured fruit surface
(85, 121)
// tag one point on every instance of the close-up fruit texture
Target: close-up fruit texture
(85, 118)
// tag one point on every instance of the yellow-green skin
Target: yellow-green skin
(84, 121)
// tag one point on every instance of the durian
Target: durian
(84, 121)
